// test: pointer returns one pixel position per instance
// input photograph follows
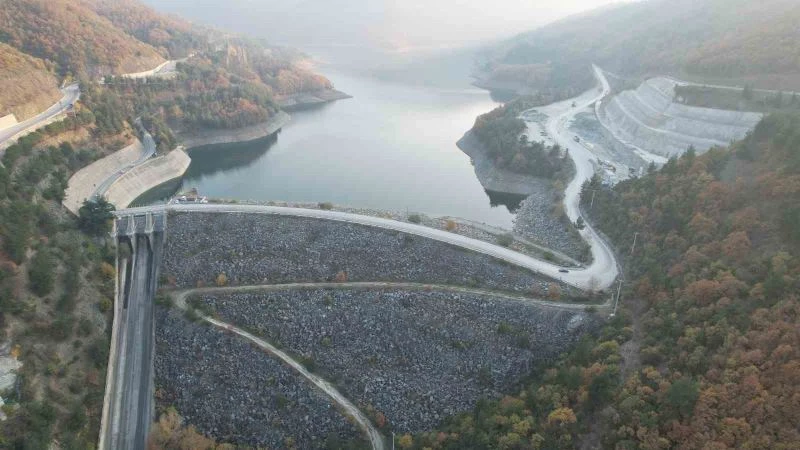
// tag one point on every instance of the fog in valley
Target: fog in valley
(377, 28)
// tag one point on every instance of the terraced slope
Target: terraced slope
(647, 118)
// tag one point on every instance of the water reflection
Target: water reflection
(213, 159)
(511, 201)
(391, 147)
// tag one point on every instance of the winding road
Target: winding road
(599, 275)
(71, 95)
(148, 150)
(375, 438)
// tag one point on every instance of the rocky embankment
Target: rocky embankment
(415, 357)
(206, 137)
(229, 389)
(535, 221)
(493, 178)
(268, 249)
(535, 218)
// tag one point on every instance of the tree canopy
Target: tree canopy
(95, 216)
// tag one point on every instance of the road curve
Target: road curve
(148, 150)
(590, 277)
(604, 267)
(375, 438)
(373, 285)
(599, 275)
(71, 94)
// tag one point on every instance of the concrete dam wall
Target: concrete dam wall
(648, 119)
(147, 176)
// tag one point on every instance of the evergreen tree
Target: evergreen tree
(94, 217)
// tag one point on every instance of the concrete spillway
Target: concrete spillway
(128, 406)
(648, 118)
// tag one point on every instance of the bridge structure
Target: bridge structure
(128, 409)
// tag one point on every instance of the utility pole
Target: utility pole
(634, 242)
(392, 440)
(619, 291)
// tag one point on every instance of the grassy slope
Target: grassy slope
(27, 87)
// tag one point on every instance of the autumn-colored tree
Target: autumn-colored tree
(221, 280)
(405, 441)
(553, 291)
(561, 416)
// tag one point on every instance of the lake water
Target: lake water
(392, 146)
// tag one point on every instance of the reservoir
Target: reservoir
(392, 146)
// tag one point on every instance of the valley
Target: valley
(560, 239)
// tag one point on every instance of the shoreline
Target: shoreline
(205, 138)
(303, 100)
(492, 178)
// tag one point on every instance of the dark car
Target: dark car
(563, 270)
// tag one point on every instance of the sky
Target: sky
(389, 24)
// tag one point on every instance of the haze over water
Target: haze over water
(392, 146)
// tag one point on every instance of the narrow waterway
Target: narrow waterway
(392, 146)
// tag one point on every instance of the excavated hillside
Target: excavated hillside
(27, 87)
(647, 118)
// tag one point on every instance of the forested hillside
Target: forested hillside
(705, 351)
(172, 36)
(503, 134)
(27, 86)
(56, 270)
(71, 35)
(734, 40)
(231, 82)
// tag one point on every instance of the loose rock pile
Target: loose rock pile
(237, 393)
(536, 221)
(417, 357)
(259, 249)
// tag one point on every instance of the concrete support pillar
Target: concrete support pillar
(148, 223)
(131, 225)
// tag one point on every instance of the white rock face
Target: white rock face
(649, 120)
(8, 369)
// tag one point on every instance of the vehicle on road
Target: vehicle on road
(563, 270)
(576, 139)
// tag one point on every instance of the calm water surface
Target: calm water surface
(391, 147)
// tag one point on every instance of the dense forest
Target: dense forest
(705, 351)
(739, 40)
(230, 82)
(170, 35)
(502, 133)
(56, 291)
(56, 270)
(72, 36)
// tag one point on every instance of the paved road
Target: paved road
(71, 94)
(375, 438)
(603, 270)
(373, 285)
(131, 404)
(148, 150)
(599, 275)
